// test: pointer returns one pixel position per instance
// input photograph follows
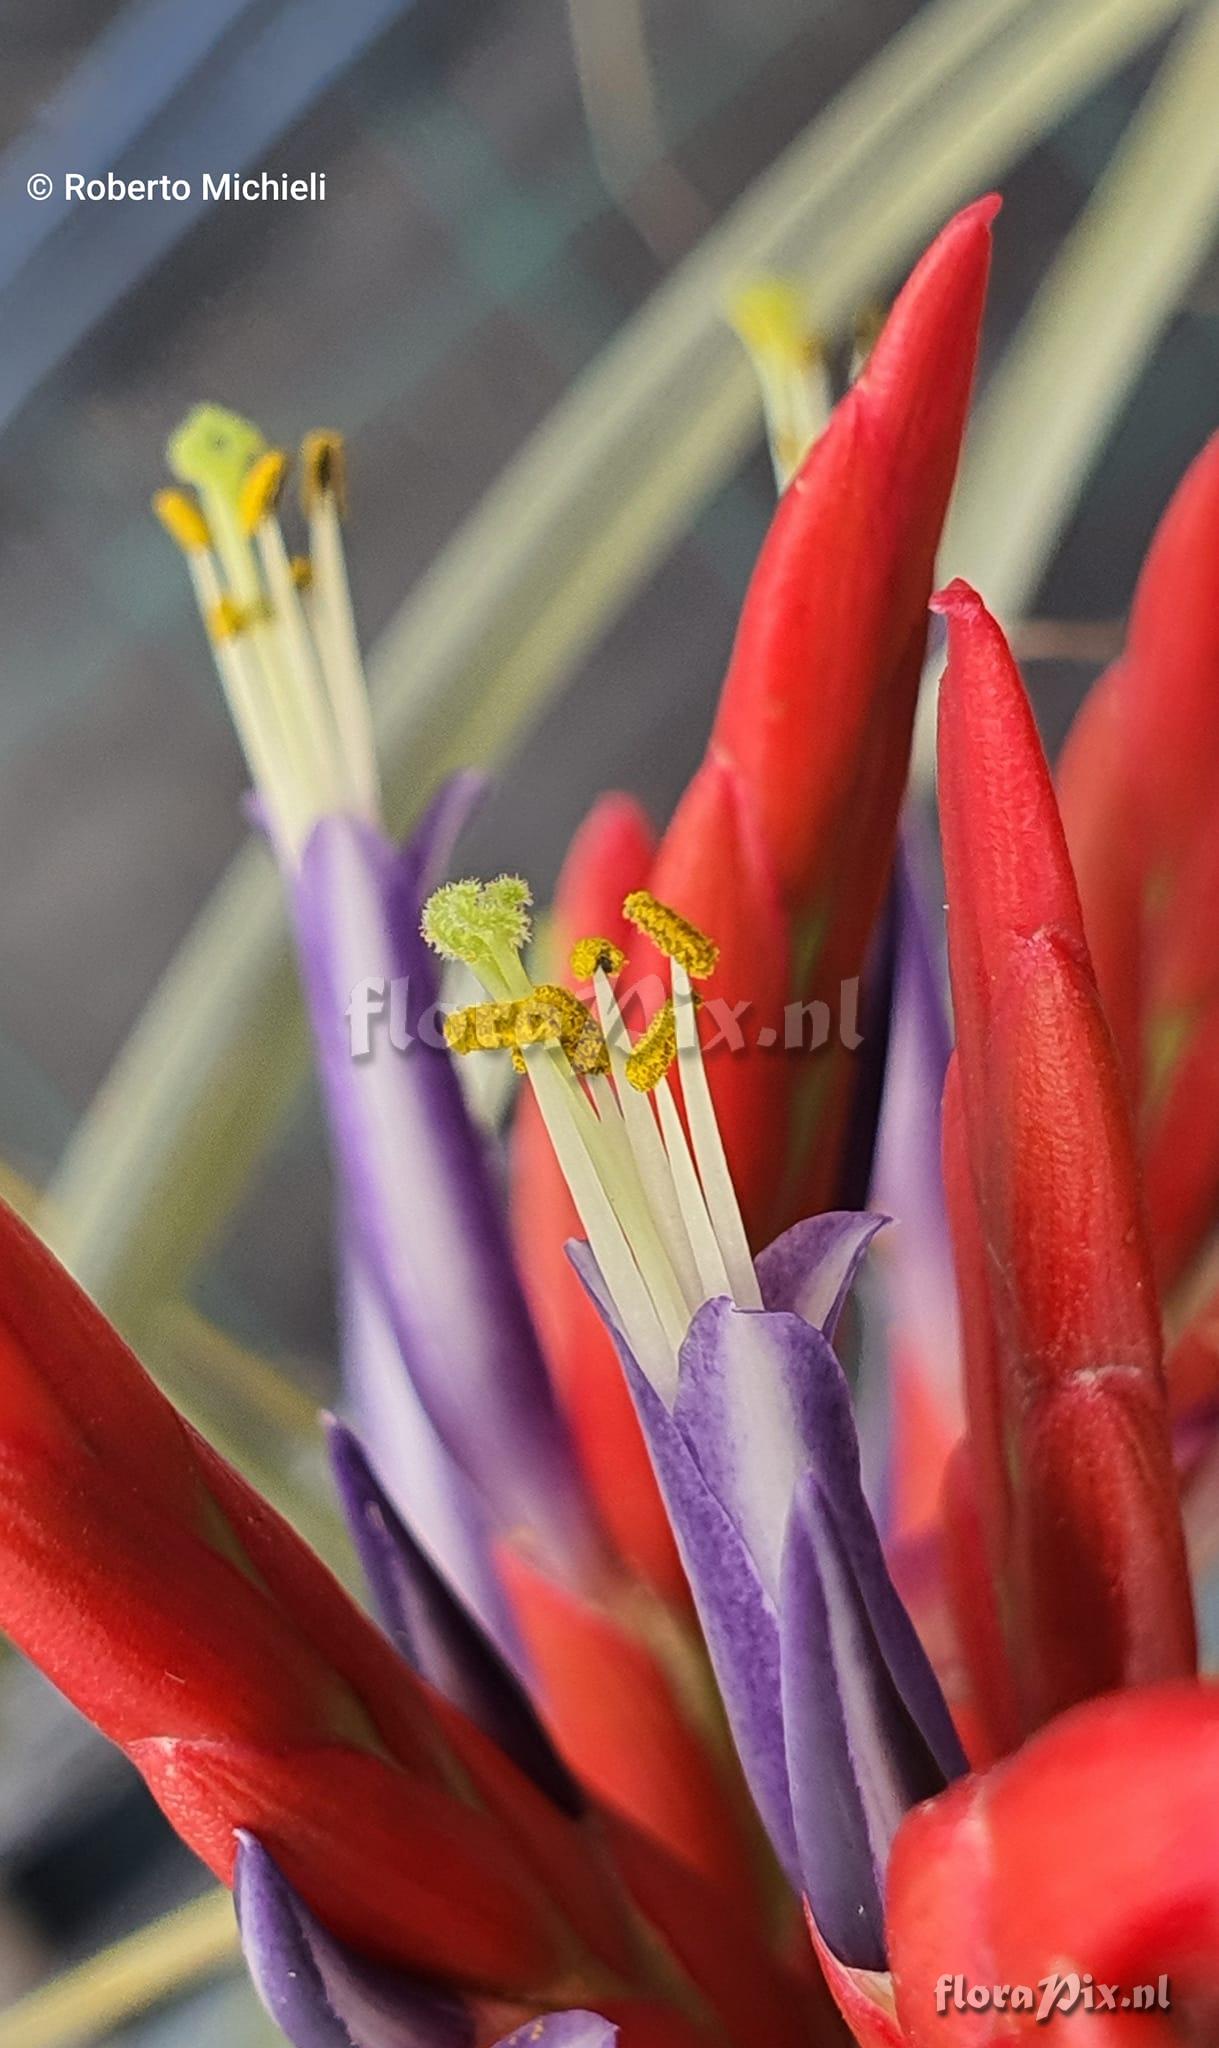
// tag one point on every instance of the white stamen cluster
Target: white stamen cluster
(658, 1208)
(282, 632)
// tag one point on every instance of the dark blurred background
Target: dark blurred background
(492, 218)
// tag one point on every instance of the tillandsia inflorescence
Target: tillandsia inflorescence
(711, 1707)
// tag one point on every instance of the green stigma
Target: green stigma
(478, 921)
(213, 450)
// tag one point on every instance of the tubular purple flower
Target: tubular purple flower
(743, 1404)
(417, 1195)
(423, 1227)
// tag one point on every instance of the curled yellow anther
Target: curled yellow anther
(482, 1027)
(672, 934)
(183, 520)
(302, 572)
(587, 955)
(652, 1055)
(548, 1015)
(324, 470)
(261, 487)
(578, 1033)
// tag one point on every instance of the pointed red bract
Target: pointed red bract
(793, 815)
(177, 1610)
(1138, 781)
(1088, 1852)
(1067, 1418)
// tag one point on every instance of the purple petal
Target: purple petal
(563, 2030)
(853, 1679)
(419, 1197)
(915, 1260)
(317, 1991)
(739, 1619)
(811, 1269)
(431, 1491)
(763, 1393)
(435, 1632)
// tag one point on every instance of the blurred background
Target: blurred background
(511, 302)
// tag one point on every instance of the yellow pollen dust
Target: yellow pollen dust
(324, 470)
(578, 1033)
(672, 934)
(482, 1027)
(548, 1016)
(652, 1055)
(183, 520)
(589, 955)
(261, 488)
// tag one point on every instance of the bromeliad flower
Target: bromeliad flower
(444, 1370)
(743, 1404)
(466, 1426)
(511, 1814)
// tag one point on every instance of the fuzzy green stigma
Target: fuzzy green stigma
(213, 449)
(478, 921)
(672, 934)
(596, 956)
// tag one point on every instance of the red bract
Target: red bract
(197, 1630)
(793, 815)
(1067, 1420)
(1090, 1852)
(1138, 779)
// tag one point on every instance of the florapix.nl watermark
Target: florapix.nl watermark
(383, 1012)
(1063, 1991)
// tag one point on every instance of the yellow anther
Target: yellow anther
(589, 955)
(577, 1032)
(302, 572)
(771, 318)
(324, 470)
(482, 1027)
(228, 619)
(651, 1057)
(672, 934)
(183, 520)
(260, 490)
(547, 1016)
